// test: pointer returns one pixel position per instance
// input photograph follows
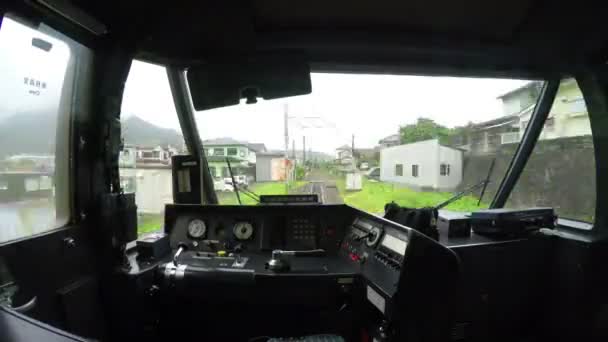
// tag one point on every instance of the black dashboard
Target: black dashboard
(318, 265)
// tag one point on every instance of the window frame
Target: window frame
(236, 151)
(415, 170)
(75, 81)
(398, 170)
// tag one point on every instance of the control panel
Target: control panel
(391, 250)
(361, 239)
(255, 228)
(379, 248)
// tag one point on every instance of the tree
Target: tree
(423, 129)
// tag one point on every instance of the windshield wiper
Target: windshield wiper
(484, 183)
(483, 190)
(236, 188)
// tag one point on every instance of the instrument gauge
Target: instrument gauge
(197, 229)
(243, 230)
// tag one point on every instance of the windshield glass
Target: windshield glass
(367, 140)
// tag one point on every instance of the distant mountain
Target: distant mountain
(34, 133)
(27, 133)
(137, 131)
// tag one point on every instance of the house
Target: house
(272, 166)
(242, 157)
(485, 137)
(519, 99)
(344, 155)
(156, 155)
(128, 157)
(146, 156)
(423, 164)
(30, 162)
(568, 118)
(391, 140)
(257, 147)
(367, 155)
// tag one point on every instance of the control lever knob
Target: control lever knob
(280, 263)
(180, 248)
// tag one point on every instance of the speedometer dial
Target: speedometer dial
(197, 229)
(243, 230)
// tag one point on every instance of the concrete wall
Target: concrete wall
(422, 153)
(153, 188)
(560, 173)
(263, 169)
(453, 158)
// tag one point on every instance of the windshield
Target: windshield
(367, 140)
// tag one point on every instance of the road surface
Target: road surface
(324, 185)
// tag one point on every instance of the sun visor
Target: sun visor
(268, 76)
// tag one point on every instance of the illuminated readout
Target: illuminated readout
(394, 244)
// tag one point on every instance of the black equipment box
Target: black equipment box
(186, 180)
(456, 224)
(512, 221)
(290, 199)
(153, 246)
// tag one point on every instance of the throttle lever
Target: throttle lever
(180, 248)
(279, 262)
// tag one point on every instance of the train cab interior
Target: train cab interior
(505, 244)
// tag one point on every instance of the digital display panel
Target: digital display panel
(396, 245)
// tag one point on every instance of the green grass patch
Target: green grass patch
(149, 222)
(374, 195)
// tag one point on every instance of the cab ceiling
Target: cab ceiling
(516, 35)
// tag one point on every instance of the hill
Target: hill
(34, 133)
(27, 133)
(137, 131)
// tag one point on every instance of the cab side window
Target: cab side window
(152, 136)
(35, 105)
(561, 170)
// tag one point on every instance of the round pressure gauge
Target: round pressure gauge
(197, 229)
(243, 230)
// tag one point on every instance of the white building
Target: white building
(344, 155)
(423, 164)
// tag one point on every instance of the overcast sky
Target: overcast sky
(20, 61)
(368, 106)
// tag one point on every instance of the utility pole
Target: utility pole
(303, 150)
(293, 148)
(286, 118)
(352, 147)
